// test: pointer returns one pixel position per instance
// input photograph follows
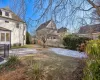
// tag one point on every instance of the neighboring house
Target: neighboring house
(62, 32)
(49, 30)
(12, 28)
(91, 31)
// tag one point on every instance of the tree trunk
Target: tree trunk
(43, 45)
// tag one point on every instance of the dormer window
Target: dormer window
(6, 13)
(0, 13)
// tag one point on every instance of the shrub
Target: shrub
(73, 41)
(99, 37)
(11, 64)
(92, 69)
(35, 72)
(17, 44)
(28, 38)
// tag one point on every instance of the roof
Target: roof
(62, 29)
(4, 29)
(43, 25)
(14, 16)
(90, 29)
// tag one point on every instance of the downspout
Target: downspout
(10, 39)
(23, 33)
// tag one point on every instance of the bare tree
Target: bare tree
(44, 35)
(62, 11)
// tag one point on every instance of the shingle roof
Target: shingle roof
(4, 29)
(90, 28)
(14, 16)
(43, 25)
(62, 29)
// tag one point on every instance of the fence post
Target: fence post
(4, 51)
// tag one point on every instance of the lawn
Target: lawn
(45, 66)
(25, 46)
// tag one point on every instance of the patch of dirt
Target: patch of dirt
(18, 74)
(40, 56)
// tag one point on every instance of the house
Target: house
(49, 28)
(91, 31)
(12, 28)
(50, 31)
(62, 31)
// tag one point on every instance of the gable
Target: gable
(90, 28)
(43, 25)
(13, 15)
(49, 24)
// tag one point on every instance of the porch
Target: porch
(5, 36)
(5, 41)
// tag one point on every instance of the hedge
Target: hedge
(73, 41)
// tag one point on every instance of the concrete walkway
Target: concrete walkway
(22, 51)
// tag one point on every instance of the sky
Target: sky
(32, 27)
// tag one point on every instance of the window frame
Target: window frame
(6, 13)
(8, 37)
(3, 37)
(0, 12)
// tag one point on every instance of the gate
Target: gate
(4, 50)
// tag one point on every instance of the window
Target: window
(2, 36)
(17, 25)
(6, 14)
(0, 12)
(7, 36)
(6, 21)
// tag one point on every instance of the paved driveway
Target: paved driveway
(22, 51)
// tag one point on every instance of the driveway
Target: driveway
(22, 51)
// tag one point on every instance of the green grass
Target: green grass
(25, 46)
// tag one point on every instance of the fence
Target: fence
(4, 50)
